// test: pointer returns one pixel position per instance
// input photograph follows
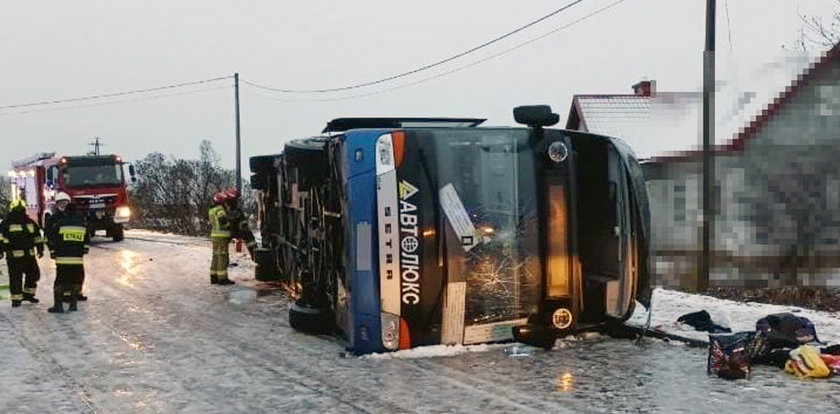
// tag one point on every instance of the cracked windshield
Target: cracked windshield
(486, 183)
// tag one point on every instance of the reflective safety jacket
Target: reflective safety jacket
(219, 223)
(70, 240)
(20, 236)
(50, 223)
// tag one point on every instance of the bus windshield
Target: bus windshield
(93, 175)
(486, 187)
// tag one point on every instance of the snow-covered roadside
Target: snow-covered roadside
(668, 305)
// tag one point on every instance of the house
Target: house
(777, 176)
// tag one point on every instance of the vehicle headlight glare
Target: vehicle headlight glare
(123, 212)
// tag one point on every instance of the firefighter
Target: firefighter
(220, 235)
(69, 240)
(62, 200)
(21, 238)
(238, 221)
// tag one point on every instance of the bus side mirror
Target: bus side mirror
(132, 173)
(535, 116)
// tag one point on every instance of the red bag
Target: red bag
(833, 363)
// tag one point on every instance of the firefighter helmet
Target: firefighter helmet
(62, 196)
(17, 205)
(219, 198)
(232, 194)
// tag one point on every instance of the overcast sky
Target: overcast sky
(53, 50)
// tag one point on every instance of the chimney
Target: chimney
(645, 88)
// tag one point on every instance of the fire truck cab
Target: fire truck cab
(96, 183)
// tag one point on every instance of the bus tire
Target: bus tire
(307, 318)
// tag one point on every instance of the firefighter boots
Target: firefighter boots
(30, 297)
(15, 303)
(58, 307)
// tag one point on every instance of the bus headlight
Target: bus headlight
(122, 214)
(390, 331)
(384, 154)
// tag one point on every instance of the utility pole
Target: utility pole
(238, 156)
(95, 144)
(708, 146)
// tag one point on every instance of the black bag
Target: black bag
(776, 335)
(786, 330)
(728, 355)
(701, 321)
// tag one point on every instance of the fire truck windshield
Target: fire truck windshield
(93, 175)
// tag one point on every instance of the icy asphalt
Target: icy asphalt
(156, 337)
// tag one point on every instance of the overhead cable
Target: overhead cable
(425, 67)
(440, 75)
(91, 105)
(112, 95)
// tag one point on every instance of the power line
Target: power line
(111, 95)
(148, 98)
(440, 75)
(425, 67)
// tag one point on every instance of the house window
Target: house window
(679, 203)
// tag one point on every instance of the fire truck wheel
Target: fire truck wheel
(118, 234)
(308, 318)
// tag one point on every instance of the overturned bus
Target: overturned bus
(400, 232)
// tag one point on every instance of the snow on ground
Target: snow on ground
(156, 337)
(668, 305)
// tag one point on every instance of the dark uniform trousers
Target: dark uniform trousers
(18, 267)
(68, 279)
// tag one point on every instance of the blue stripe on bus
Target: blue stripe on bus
(364, 318)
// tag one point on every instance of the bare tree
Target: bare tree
(174, 194)
(5, 195)
(819, 31)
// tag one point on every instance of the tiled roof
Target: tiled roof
(669, 124)
(647, 123)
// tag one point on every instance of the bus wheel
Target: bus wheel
(118, 234)
(308, 318)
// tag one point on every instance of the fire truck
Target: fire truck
(95, 183)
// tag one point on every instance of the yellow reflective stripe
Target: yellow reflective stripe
(15, 227)
(72, 233)
(17, 296)
(69, 260)
(251, 243)
(39, 239)
(4, 240)
(30, 291)
(71, 229)
(31, 228)
(220, 233)
(18, 253)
